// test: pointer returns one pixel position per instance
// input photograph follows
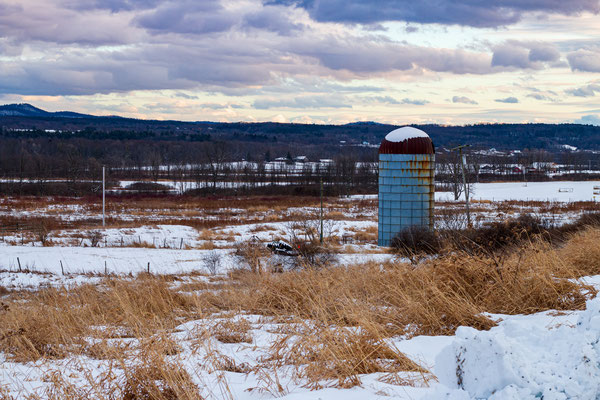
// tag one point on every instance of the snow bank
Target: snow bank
(405, 133)
(524, 361)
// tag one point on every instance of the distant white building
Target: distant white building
(301, 159)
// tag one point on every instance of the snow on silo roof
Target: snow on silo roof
(404, 133)
(407, 140)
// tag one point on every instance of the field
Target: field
(177, 297)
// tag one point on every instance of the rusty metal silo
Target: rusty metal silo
(406, 186)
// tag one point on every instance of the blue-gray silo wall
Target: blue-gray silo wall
(406, 193)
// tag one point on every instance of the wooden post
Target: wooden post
(148, 266)
(181, 244)
(19, 261)
(105, 269)
(103, 194)
(61, 267)
(321, 216)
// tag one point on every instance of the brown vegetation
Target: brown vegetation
(334, 323)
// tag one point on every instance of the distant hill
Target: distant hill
(27, 110)
(25, 120)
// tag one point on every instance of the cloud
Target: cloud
(185, 96)
(588, 120)
(524, 54)
(188, 16)
(380, 100)
(368, 55)
(447, 12)
(112, 5)
(463, 99)
(539, 96)
(584, 91)
(414, 102)
(510, 100)
(544, 53)
(311, 102)
(38, 20)
(274, 19)
(584, 60)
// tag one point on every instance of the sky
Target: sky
(306, 61)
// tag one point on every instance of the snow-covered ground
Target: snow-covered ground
(546, 355)
(567, 191)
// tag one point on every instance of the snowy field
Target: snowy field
(548, 355)
(567, 191)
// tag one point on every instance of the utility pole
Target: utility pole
(321, 235)
(463, 162)
(103, 194)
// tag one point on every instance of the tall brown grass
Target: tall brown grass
(55, 322)
(334, 323)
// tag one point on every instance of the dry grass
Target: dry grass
(581, 253)
(232, 331)
(334, 323)
(158, 379)
(434, 298)
(322, 354)
(365, 235)
(55, 322)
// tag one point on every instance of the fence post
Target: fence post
(148, 266)
(61, 267)
(19, 261)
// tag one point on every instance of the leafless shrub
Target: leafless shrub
(94, 237)
(251, 255)
(212, 262)
(313, 256)
(43, 234)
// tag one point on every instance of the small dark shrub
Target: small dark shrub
(416, 240)
(311, 255)
(496, 235)
(95, 237)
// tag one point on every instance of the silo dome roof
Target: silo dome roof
(406, 140)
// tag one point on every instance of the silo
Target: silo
(406, 187)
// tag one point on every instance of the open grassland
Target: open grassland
(155, 336)
(219, 221)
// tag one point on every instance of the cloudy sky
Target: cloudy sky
(313, 61)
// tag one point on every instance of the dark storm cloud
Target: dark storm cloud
(491, 13)
(510, 100)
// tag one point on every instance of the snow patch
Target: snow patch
(529, 361)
